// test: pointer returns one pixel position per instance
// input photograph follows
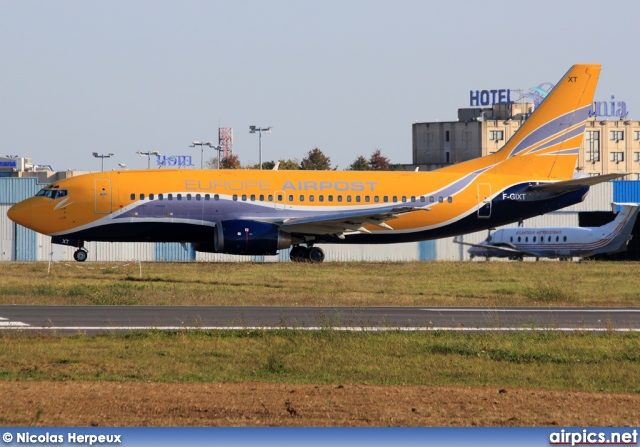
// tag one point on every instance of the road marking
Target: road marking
(319, 328)
(5, 323)
(453, 309)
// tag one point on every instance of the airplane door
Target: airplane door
(279, 200)
(103, 196)
(484, 200)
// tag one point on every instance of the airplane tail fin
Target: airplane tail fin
(624, 221)
(547, 144)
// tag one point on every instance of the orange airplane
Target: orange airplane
(255, 212)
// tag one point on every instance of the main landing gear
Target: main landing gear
(304, 254)
(80, 254)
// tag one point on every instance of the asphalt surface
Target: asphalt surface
(92, 319)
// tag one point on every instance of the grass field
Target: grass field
(329, 284)
(605, 362)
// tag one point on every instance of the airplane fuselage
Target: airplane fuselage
(185, 205)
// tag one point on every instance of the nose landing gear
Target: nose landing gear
(80, 254)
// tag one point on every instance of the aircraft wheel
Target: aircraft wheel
(316, 255)
(80, 255)
(299, 254)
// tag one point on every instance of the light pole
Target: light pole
(202, 144)
(148, 155)
(102, 156)
(219, 149)
(254, 129)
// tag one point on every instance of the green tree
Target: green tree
(289, 165)
(378, 161)
(231, 161)
(315, 161)
(360, 164)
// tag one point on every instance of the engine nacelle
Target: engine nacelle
(246, 237)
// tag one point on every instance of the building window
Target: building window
(592, 145)
(636, 176)
(636, 135)
(616, 135)
(617, 156)
(446, 136)
(496, 135)
(636, 156)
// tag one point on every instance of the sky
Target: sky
(345, 76)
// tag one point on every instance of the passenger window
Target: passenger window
(161, 196)
(367, 199)
(511, 239)
(450, 199)
(330, 198)
(395, 198)
(311, 198)
(440, 199)
(404, 198)
(198, 197)
(413, 198)
(280, 197)
(557, 239)
(376, 199)
(253, 197)
(431, 199)
(188, 196)
(151, 196)
(290, 197)
(423, 199)
(321, 198)
(564, 239)
(179, 196)
(207, 197)
(133, 196)
(216, 197)
(244, 197)
(349, 199)
(141, 196)
(534, 238)
(339, 198)
(358, 199)
(235, 197)
(519, 239)
(270, 198)
(526, 239)
(385, 199)
(302, 197)
(170, 196)
(262, 197)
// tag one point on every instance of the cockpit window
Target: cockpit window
(52, 193)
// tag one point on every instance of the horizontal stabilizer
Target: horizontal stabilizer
(575, 184)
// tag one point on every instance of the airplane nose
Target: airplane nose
(20, 213)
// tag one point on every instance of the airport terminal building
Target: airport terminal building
(609, 146)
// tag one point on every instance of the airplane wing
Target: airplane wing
(342, 224)
(504, 248)
(575, 184)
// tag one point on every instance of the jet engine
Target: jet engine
(247, 237)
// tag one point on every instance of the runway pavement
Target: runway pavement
(93, 319)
